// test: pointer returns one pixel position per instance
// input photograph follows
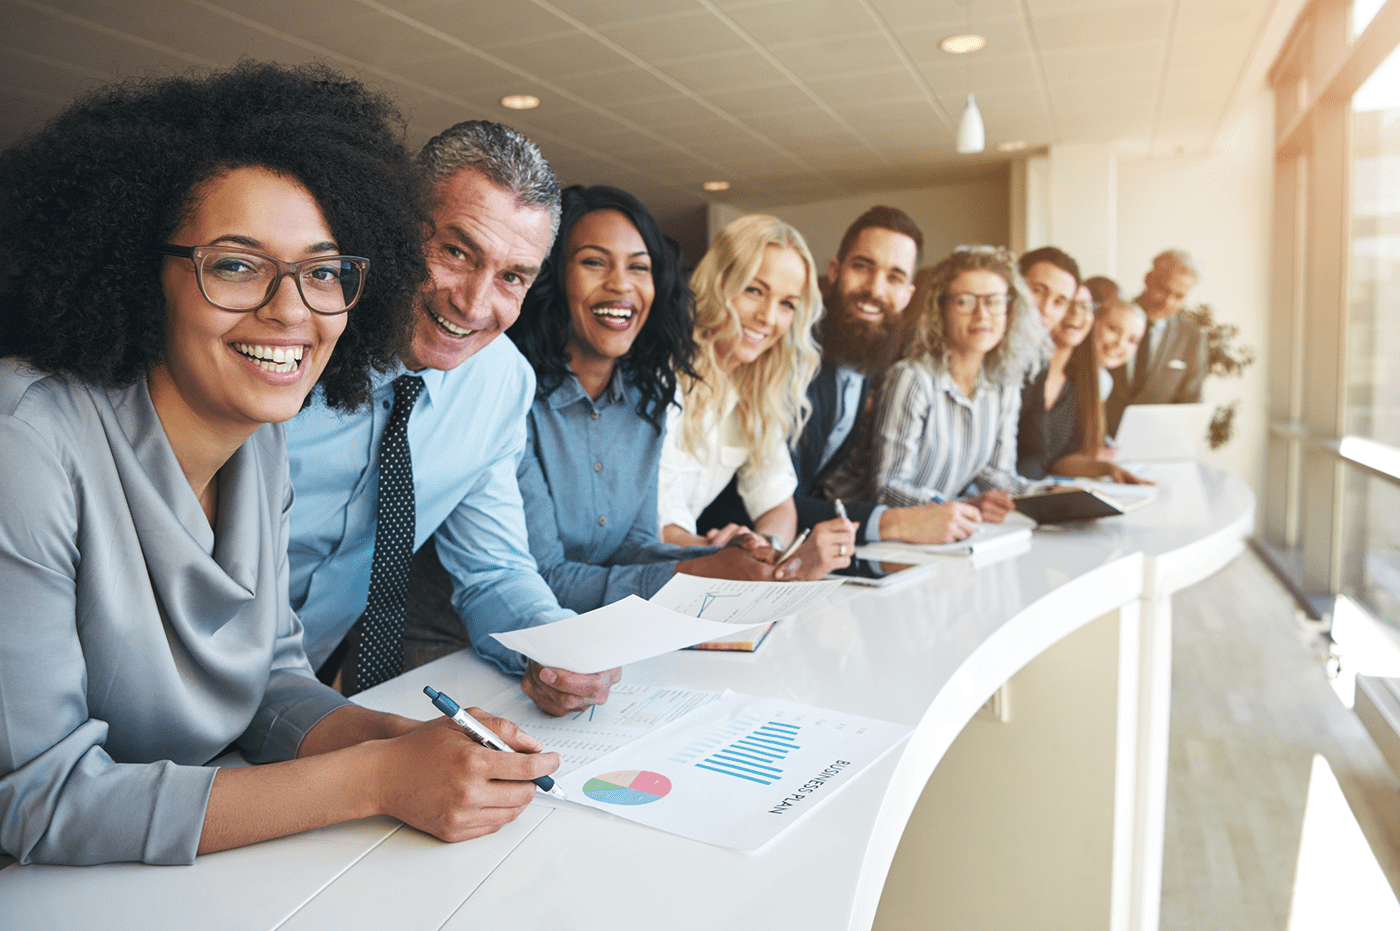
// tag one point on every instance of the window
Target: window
(1330, 517)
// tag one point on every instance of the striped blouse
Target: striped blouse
(934, 443)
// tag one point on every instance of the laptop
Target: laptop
(1161, 432)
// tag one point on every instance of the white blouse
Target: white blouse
(688, 483)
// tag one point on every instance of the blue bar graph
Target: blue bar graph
(756, 755)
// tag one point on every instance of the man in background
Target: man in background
(1170, 362)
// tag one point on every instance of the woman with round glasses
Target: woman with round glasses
(945, 430)
(183, 261)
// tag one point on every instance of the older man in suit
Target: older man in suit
(1171, 359)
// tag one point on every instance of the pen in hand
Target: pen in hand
(482, 734)
(792, 547)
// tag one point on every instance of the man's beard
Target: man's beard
(869, 347)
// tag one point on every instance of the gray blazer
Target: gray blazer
(1174, 373)
(135, 644)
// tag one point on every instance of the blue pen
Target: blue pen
(482, 734)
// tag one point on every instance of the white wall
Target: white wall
(1083, 214)
(1219, 207)
(949, 215)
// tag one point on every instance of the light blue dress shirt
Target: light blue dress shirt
(467, 434)
(589, 482)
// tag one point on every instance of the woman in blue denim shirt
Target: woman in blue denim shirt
(607, 326)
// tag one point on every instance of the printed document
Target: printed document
(736, 602)
(736, 772)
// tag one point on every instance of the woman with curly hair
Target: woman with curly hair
(757, 305)
(946, 425)
(607, 326)
(183, 261)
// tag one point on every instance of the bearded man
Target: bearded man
(868, 285)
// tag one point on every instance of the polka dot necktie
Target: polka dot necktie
(381, 639)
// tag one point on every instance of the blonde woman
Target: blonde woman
(757, 305)
(946, 426)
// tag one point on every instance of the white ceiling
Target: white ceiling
(787, 99)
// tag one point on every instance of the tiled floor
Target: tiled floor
(1251, 707)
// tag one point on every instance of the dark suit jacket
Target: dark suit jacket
(806, 457)
(1174, 373)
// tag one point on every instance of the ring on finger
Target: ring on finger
(841, 549)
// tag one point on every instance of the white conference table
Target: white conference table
(928, 654)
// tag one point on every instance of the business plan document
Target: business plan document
(735, 772)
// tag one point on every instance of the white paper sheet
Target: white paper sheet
(736, 602)
(736, 772)
(631, 712)
(1011, 533)
(623, 632)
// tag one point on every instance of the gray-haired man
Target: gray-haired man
(495, 208)
(1170, 363)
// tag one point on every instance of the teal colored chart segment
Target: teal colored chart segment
(627, 787)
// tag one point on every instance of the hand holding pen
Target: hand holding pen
(824, 548)
(483, 735)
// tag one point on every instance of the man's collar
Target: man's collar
(432, 378)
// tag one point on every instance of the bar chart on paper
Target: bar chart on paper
(755, 754)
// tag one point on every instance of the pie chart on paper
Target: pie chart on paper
(627, 787)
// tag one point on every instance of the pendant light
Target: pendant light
(972, 136)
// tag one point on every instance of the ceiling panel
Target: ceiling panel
(1107, 64)
(914, 13)
(826, 57)
(725, 71)
(785, 22)
(561, 56)
(469, 76)
(601, 13)
(856, 88)
(1137, 22)
(692, 33)
(484, 25)
(751, 100)
(659, 112)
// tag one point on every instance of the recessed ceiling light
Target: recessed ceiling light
(961, 45)
(716, 185)
(520, 101)
(1013, 145)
